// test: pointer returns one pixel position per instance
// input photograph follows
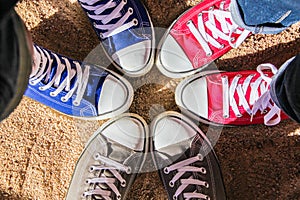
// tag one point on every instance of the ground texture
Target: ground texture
(39, 147)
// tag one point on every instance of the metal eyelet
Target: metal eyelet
(171, 184)
(64, 99)
(96, 156)
(91, 169)
(200, 157)
(206, 185)
(101, 35)
(189, 22)
(135, 21)
(166, 170)
(83, 195)
(123, 183)
(209, 54)
(203, 170)
(128, 170)
(130, 10)
(52, 94)
(76, 103)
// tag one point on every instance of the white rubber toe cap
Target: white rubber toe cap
(135, 60)
(191, 95)
(172, 133)
(172, 60)
(128, 130)
(116, 96)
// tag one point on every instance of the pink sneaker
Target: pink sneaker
(230, 98)
(198, 37)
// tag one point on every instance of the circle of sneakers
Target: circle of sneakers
(181, 152)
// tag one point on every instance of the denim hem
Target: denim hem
(238, 19)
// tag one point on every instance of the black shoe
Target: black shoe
(185, 159)
(16, 61)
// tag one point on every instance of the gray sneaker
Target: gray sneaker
(185, 159)
(111, 160)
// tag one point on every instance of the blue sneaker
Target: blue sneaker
(125, 30)
(77, 89)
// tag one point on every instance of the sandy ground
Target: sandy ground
(39, 147)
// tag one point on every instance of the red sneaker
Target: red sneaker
(230, 98)
(198, 37)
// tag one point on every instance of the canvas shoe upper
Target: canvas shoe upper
(185, 159)
(111, 160)
(230, 98)
(77, 89)
(126, 33)
(199, 36)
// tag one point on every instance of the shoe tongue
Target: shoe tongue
(54, 66)
(118, 153)
(64, 73)
(53, 71)
(198, 146)
(97, 78)
(175, 151)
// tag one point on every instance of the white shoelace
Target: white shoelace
(258, 101)
(109, 175)
(216, 17)
(183, 167)
(43, 65)
(111, 29)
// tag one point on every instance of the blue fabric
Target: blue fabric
(134, 35)
(89, 102)
(265, 16)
